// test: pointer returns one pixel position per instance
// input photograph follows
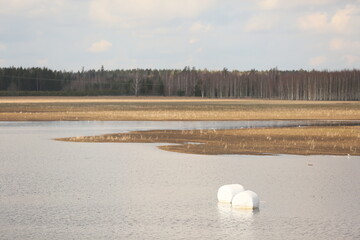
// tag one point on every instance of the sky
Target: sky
(212, 34)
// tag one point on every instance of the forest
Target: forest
(270, 84)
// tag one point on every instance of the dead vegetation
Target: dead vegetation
(170, 109)
(307, 140)
(300, 141)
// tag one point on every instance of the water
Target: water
(63, 190)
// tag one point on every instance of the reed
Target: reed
(170, 109)
(342, 140)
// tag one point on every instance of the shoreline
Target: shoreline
(319, 140)
(303, 141)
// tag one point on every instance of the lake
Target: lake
(64, 190)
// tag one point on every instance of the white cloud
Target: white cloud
(42, 62)
(199, 27)
(317, 61)
(337, 44)
(315, 21)
(32, 7)
(345, 20)
(2, 62)
(351, 59)
(260, 23)
(289, 4)
(193, 40)
(2, 47)
(145, 12)
(171, 29)
(100, 46)
(268, 4)
(9, 7)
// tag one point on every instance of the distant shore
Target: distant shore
(170, 109)
(331, 140)
(300, 141)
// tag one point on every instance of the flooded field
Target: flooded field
(170, 109)
(60, 190)
(278, 137)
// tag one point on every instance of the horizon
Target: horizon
(181, 69)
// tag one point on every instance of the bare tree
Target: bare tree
(136, 82)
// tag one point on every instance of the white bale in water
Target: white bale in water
(227, 192)
(246, 200)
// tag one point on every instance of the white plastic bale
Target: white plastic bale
(227, 192)
(246, 200)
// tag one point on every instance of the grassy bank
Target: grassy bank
(301, 141)
(169, 109)
(307, 140)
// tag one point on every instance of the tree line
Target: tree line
(271, 84)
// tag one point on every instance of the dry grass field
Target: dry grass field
(301, 141)
(306, 140)
(170, 109)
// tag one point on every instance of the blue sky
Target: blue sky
(212, 34)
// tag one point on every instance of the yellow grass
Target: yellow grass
(303, 141)
(161, 108)
(310, 140)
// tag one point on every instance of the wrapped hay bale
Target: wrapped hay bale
(246, 200)
(227, 192)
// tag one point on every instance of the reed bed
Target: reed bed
(343, 140)
(170, 109)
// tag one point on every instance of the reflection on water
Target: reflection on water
(226, 212)
(240, 219)
(96, 127)
(62, 190)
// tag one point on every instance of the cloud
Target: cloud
(32, 7)
(199, 27)
(260, 23)
(268, 4)
(9, 7)
(295, 31)
(193, 40)
(100, 46)
(42, 62)
(344, 20)
(286, 4)
(134, 13)
(2, 47)
(351, 59)
(2, 62)
(315, 21)
(338, 44)
(317, 61)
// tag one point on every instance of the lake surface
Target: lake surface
(65, 190)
